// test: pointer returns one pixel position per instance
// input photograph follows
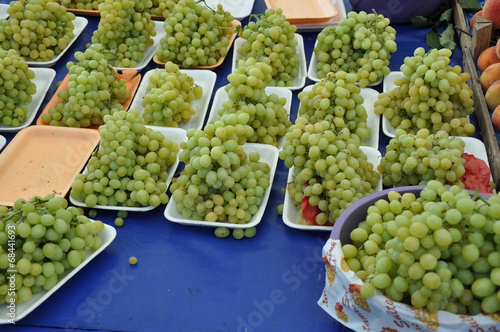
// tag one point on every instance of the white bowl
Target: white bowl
(268, 154)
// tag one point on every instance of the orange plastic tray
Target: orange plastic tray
(300, 11)
(43, 160)
(127, 74)
(231, 36)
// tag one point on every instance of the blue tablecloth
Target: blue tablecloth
(186, 279)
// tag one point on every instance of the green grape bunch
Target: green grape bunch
(196, 35)
(50, 239)
(415, 159)
(92, 92)
(361, 44)
(220, 181)
(130, 166)
(161, 7)
(125, 30)
(81, 4)
(271, 39)
(339, 96)
(16, 88)
(168, 97)
(431, 95)
(37, 29)
(330, 170)
(438, 251)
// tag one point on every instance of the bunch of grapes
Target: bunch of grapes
(361, 44)
(336, 95)
(124, 30)
(93, 91)
(431, 95)
(196, 34)
(271, 39)
(249, 104)
(161, 7)
(415, 159)
(16, 88)
(81, 4)
(50, 238)
(168, 96)
(130, 167)
(220, 181)
(38, 29)
(438, 251)
(330, 170)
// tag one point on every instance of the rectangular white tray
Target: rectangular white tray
(238, 8)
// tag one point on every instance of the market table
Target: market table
(186, 279)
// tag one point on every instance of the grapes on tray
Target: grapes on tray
(51, 238)
(361, 44)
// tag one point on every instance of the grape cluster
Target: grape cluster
(330, 170)
(37, 29)
(220, 181)
(431, 95)
(196, 34)
(161, 7)
(42, 239)
(92, 92)
(168, 96)
(336, 95)
(124, 30)
(271, 39)
(81, 4)
(249, 104)
(16, 88)
(361, 43)
(130, 167)
(416, 159)
(438, 251)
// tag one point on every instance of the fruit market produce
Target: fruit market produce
(249, 104)
(161, 7)
(413, 159)
(81, 4)
(130, 166)
(37, 29)
(124, 30)
(168, 96)
(16, 88)
(270, 39)
(196, 34)
(93, 91)
(438, 251)
(339, 96)
(42, 239)
(361, 44)
(331, 171)
(220, 181)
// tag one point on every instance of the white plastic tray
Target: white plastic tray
(221, 96)
(3, 141)
(80, 23)
(298, 81)
(175, 134)
(43, 79)
(3, 10)
(268, 154)
(370, 96)
(238, 8)
(291, 215)
(150, 51)
(204, 78)
(22, 310)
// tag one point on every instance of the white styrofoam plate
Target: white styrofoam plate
(3, 141)
(373, 121)
(43, 79)
(238, 8)
(175, 134)
(23, 309)
(298, 81)
(268, 154)
(221, 96)
(291, 215)
(3, 10)
(80, 23)
(204, 78)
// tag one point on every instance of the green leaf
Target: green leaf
(446, 16)
(446, 39)
(432, 39)
(472, 5)
(420, 22)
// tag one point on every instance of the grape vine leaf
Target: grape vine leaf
(420, 22)
(446, 38)
(432, 38)
(447, 15)
(471, 5)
